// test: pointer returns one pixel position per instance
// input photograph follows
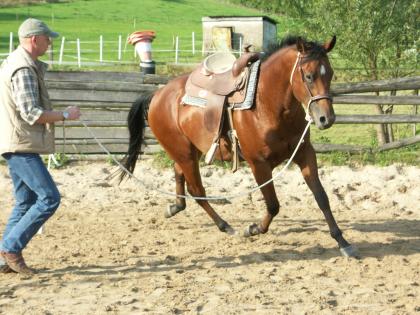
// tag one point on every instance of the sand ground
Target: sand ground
(109, 249)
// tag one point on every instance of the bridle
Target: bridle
(312, 98)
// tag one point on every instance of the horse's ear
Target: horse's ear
(330, 45)
(300, 45)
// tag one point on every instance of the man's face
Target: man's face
(41, 43)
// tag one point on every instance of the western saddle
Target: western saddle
(219, 80)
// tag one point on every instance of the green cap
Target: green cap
(32, 27)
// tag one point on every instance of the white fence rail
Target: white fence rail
(102, 52)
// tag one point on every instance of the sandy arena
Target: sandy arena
(109, 249)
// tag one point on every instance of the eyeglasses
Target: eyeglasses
(47, 38)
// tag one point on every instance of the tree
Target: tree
(380, 36)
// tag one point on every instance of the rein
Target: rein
(312, 98)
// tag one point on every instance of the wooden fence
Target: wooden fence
(105, 98)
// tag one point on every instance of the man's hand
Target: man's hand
(74, 112)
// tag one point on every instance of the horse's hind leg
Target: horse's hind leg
(308, 165)
(195, 188)
(180, 203)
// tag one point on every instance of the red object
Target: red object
(141, 36)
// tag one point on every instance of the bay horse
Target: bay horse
(296, 72)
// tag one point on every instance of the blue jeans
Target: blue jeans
(36, 199)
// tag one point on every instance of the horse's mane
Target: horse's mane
(313, 49)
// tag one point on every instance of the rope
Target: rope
(227, 197)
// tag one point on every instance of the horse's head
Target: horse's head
(311, 78)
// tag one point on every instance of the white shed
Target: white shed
(230, 33)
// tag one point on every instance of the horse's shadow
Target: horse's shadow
(405, 242)
(401, 228)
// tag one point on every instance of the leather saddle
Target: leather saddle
(220, 79)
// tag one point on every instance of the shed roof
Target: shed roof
(237, 18)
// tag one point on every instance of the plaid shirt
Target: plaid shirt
(26, 95)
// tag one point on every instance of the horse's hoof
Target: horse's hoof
(229, 230)
(350, 251)
(252, 230)
(171, 210)
(226, 228)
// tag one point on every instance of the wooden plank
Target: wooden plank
(399, 144)
(63, 98)
(97, 96)
(156, 79)
(329, 147)
(105, 76)
(102, 86)
(408, 83)
(94, 76)
(100, 133)
(96, 149)
(104, 114)
(340, 119)
(377, 119)
(101, 141)
(93, 123)
(372, 99)
(59, 104)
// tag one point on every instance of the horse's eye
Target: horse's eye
(309, 77)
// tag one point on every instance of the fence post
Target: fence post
(176, 49)
(125, 44)
(119, 47)
(101, 43)
(193, 43)
(11, 43)
(415, 111)
(60, 59)
(79, 61)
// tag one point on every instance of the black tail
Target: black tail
(136, 122)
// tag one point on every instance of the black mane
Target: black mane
(313, 49)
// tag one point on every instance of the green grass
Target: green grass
(408, 156)
(88, 20)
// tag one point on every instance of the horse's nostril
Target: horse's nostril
(322, 119)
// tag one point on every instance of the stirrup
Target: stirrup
(235, 151)
(210, 153)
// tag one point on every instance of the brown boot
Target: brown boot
(5, 269)
(16, 262)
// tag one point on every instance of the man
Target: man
(26, 131)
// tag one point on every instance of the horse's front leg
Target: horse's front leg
(263, 173)
(306, 160)
(180, 203)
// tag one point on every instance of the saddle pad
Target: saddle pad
(250, 89)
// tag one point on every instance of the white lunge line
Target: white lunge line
(232, 196)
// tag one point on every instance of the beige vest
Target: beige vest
(16, 135)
